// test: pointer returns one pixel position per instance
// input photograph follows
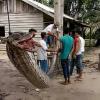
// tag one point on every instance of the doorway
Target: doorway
(2, 31)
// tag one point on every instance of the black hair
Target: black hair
(66, 30)
(55, 26)
(79, 32)
(32, 30)
(73, 33)
(43, 34)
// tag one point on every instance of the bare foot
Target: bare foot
(64, 83)
(69, 82)
(79, 79)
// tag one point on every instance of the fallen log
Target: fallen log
(24, 61)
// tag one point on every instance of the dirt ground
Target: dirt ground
(13, 86)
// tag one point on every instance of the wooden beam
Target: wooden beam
(7, 3)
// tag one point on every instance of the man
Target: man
(73, 60)
(65, 50)
(42, 52)
(52, 28)
(67, 45)
(80, 48)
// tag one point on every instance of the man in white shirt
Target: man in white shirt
(52, 28)
(80, 48)
(42, 52)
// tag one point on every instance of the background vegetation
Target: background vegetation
(87, 11)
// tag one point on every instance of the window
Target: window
(2, 31)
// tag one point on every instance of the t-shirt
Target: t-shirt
(82, 46)
(67, 44)
(48, 28)
(41, 52)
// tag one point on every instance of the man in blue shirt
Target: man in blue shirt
(66, 48)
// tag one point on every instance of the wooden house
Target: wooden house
(25, 14)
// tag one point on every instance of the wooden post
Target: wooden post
(58, 16)
(58, 19)
(99, 63)
(8, 17)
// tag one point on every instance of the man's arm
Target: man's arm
(50, 34)
(77, 46)
(72, 50)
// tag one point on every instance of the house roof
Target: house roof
(50, 11)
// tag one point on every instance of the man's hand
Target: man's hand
(74, 56)
(49, 33)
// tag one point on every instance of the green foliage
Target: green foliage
(87, 11)
(97, 35)
(46, 2)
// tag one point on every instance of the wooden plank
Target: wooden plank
(14, 4)
(22, 22)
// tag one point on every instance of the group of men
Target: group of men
(71, 50)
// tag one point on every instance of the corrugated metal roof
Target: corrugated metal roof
(44, 8)
(50, 11)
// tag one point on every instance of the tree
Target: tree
(87, 11)
(91, 14)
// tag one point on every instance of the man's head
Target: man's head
(32, 31)
(77, 33)
(43, 35)
(66, 30)
(55, 26)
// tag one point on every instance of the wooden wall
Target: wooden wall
(22, 22)
(22, 17)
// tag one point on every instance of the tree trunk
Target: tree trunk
(59, 11)
(58, 20)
